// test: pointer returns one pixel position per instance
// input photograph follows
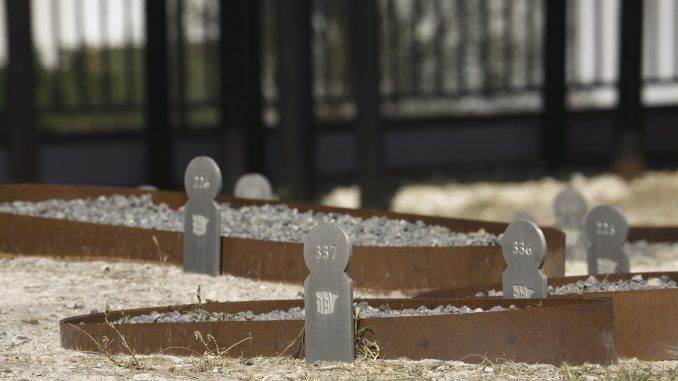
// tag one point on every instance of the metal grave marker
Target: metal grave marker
(328, 295)
(202, 220)
(524, 249)
(570, 208)
(253, 186)
(607, 230)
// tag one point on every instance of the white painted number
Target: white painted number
(200, 182)
(605, 228)
(521, 248)
(325, 251)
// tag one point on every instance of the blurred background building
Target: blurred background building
(315, 93)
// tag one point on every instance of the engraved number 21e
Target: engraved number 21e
(521, 248)
(200, 182)
(605, 228)
(325, 251)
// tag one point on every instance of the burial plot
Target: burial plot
(524, 249)
(607, 230)
(253, 186)
(570, 208)
(328, 295)
(202, 220)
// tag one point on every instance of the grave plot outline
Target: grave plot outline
(202, 217)
(607, 230)
(328, 295)
(524, 249)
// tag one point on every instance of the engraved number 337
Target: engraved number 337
(325, 251)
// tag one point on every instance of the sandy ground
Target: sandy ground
(38, 292)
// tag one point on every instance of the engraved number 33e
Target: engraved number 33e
(521, 248)
(324, 251)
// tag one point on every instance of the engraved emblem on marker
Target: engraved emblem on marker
(524, 249)
(607, 229)
(202, 236)
(253, 186)
(200, 224)
(325, 301)
(328, 296)
(520, 291)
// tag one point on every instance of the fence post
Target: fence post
(363, 32)
(628, 157)
(158, 132)
(23, 155)
(554, 123)
(243, 139)
(293, 23)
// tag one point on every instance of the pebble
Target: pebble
(265, 222)
(592, 284)
(296, 313)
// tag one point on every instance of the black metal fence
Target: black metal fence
(185, 65)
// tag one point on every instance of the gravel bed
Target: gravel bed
(643, 248)
(592, 284)
(266, 222)
(296, 313)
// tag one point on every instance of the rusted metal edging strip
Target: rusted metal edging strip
(645, 320)
(383, 268)
(540, 331)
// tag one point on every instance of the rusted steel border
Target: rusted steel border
(382, 268)
(645, 321)
(541, 331)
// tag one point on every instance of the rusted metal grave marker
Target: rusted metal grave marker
(524, 249)
(607, 230)
(328, 295)
(253, 186)
(202, 220)
(570, 208)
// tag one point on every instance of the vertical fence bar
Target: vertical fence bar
(180, 60)
(105, 54)
(460, 20)
(439, 48)
(296, 103)
(508, 45)
(393, 47)
(598, 40)
(484, 28)
(243, 143)
(130, 63)
(23, 163)
(628, 159)
(81, 67)
(158, 131)
(57, 90)
(554, 125)
(369, 140)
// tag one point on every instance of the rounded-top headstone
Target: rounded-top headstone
(524, 249)
(253, 186)
(202, 178)
(327, 248)
(607, 222)
(523, 241)
(570, 202)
